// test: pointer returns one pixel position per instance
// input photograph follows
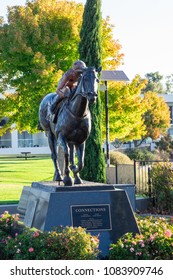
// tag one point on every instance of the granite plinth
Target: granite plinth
(102, 209)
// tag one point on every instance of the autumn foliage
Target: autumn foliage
(37, 44)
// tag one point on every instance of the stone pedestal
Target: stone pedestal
(100, 208)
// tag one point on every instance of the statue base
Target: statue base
(102, 209)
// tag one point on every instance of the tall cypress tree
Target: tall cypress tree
(90, 52)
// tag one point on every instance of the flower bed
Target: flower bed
(20, 243)
(154, 243)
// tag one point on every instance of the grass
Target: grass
(18, 172)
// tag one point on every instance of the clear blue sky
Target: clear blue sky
(143, 28)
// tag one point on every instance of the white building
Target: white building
(13, 143)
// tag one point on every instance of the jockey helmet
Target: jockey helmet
(79, 65)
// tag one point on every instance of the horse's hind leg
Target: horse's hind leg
(54, 155)
(67, 178)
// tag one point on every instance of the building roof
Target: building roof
(168, 97)
(113, 75)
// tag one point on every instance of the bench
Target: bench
(25, 155)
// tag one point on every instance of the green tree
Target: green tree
(169, 84)
(133, 116)
(39, 41)
(91, 52)
(125, 110)
(157, 115)
(37, 44)
(165, 144)
(154, 82)
(111, 55)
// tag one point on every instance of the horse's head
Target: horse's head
(88, 83)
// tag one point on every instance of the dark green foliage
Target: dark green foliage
(140, 154)
(154, 82)
(162, 184)
(90, 52)
(165, 144)
(94, 169)
(90, 35)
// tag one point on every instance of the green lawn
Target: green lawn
(18, 172)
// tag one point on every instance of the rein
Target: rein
(79, 90)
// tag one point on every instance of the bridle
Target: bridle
(80, 89)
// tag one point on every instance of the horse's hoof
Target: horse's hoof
(78, 181)
(67, 181)
(57, 177)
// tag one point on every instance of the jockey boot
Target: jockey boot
(52, 112)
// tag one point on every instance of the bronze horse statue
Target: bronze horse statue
(73, 125)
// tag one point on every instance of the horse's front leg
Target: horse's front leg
(80, 150)
(67, 178)
(54, 155)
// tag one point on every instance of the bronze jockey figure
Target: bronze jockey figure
(66, 86)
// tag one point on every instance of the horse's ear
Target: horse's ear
(99, 69)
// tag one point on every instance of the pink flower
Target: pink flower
(151, 238)
(168, 233)
(132, 249)
(138, 253)
(31, 250)
(36, 234)
(94, 239)
(142, 243)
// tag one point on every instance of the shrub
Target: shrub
(154, 243)
(162, 184)
(165, 146)
(9, 228)
(140, 154)
(30, 244)
(120, 158)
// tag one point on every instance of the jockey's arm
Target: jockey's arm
(62, 83)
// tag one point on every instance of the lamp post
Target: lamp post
(116, 76)
(107, 124)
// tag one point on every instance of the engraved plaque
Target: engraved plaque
(30, 211)
(91, 217)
